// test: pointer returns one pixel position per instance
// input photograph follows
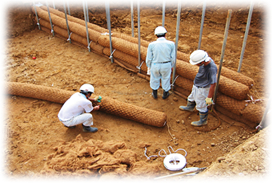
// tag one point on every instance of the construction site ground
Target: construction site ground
(33, 131)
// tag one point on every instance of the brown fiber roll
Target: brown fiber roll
(235, 106)
(74, 27)
(108, 105)
(132, 112)
(253, 112)
(125, 57)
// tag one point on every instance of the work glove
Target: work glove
(208, 101)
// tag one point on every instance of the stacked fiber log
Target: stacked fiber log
(108, 105)
(233, 87)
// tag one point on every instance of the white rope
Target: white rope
(112, 54)
(69, 38)
(253, 101)
(139, 67)
(169, 147)
(174, 80)
(149, 157)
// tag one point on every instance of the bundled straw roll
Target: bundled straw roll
(108, 105)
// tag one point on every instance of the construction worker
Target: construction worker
(160, 59)
(203, 88)
(76, 110)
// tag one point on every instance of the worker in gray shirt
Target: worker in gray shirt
(203, 88)
(160, 59)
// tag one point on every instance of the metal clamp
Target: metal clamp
(112, 54)
(69, 38)
(139, 67)
(89, 44)
(174, 80)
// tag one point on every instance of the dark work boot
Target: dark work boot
(203, 119)
(165, 94)
(190, 106)
(89, 129)
(154, 94)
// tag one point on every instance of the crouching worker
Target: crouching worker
(203, 88)
(72, 111)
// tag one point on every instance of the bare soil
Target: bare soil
(35, 136)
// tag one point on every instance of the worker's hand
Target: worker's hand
(208, 101)
(96, 107)
(96, 98)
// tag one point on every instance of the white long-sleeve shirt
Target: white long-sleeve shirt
(159, 51)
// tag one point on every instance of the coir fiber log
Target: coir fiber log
(232, 105)
(125, 57)
(123, 45)
(96, 27)
(74, 37)
(74, 27)
(108, 105)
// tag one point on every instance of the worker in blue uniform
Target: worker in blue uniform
(160, 59)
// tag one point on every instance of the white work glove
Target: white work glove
(148, 71)
(208, 101)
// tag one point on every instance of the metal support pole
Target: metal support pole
(263, 122)
(202, 23)
(163, 13)
(87, 11)
(176, 43)
(38, 21)
(132, 19)
(222, 53)
(109, 25)
(139, 35)
(52, 30)
(68, 7)
(245, 37)
(68, 30)
(87, 32)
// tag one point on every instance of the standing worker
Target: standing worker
(203, 88)
(160, 59)
(72, 111)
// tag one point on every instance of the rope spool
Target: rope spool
(108, 105)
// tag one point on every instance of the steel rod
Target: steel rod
(38, 21)
(87, 11)
(132, 19)
(222, 53)
(52, 29)
(245, 37)
(139, 35)
(176, 43)
(109, 25)
(68, 30)
(163, 13)
(87, 32)
(202, 23)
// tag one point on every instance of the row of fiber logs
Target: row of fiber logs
(232, 85)
(108, 105)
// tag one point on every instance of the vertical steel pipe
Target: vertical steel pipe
(52, 29)
(132, 19)
(87, 11)
(109, 25)
(68, 30)
(87, 32)
(139, 36)
(202, 23)
(163, 13)
(245, 37)
(222, 53)
(38, 21)
(176, 43)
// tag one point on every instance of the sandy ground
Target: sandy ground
(34, 133)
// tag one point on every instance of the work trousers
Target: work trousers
(198, 95)
(160, 71)
(86, 119)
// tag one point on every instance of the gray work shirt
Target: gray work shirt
(206, 75)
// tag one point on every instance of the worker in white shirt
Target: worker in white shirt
(76, 110)
(203, 88)
(160, 59)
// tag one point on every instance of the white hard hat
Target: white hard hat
(198, 56)
(160, 30)
(87, 88)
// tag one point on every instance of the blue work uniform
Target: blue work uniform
(160, 59)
